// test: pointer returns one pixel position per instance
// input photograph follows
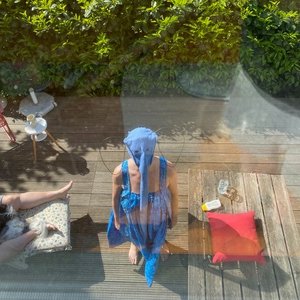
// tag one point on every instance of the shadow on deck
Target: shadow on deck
(252, 136)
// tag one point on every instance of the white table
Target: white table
(39, 132)
(45, 104)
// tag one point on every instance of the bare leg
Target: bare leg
(164, 252)
(31, 199)
(133, 254)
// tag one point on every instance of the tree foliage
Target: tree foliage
(89, 45)
(270, 49)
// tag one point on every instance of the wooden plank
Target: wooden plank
(176, 146)
(232, 279)
(278, 250)
(104, 199)
(266, 275)
(234, 148)
(295, 202)
(54, 284)
(16, 174)
(90, 123)
(196, 239)
(210, 136)
(294, 190)
(272, 168)
(292, 179)
(105, 188)
(78, 187)
(297, 216)
(213, 274)
(291, 236)
(268, 168)
(247, 271)
(100, 213)
(86, 244)
(53, 174)
(49, 152)
(215, 157)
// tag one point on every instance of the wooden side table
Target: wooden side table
(267, 195)
(38, 133)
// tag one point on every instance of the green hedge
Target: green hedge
(270, 49)
(88, 45)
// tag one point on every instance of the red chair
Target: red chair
(8, 131)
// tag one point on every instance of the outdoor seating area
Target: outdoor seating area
(261, 160)
(150, 150)
(241, 271)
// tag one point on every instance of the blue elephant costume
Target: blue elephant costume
(145, 216)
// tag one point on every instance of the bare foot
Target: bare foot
(63, 192)
(164, 252)
(51, 227)
(133, 254)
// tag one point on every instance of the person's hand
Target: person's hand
(38, 226)
(117, 224)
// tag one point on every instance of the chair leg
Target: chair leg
(34, 148)
(9, 133)
(54, 140)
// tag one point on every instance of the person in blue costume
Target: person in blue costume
(144, 201)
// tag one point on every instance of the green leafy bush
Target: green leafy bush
(212, 80)
(270, 50)
(150, 79)
(178, 36)
(88, 45)
(17, 78)
(66, 40)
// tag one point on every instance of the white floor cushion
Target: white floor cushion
(57, 213)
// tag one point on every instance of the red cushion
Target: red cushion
(234, 237)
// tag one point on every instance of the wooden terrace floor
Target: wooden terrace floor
(194, 133)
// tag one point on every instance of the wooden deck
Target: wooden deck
(266, 195)
(193, 133)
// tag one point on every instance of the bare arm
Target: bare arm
(172, 185)
(11, 248)
(116, 190)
